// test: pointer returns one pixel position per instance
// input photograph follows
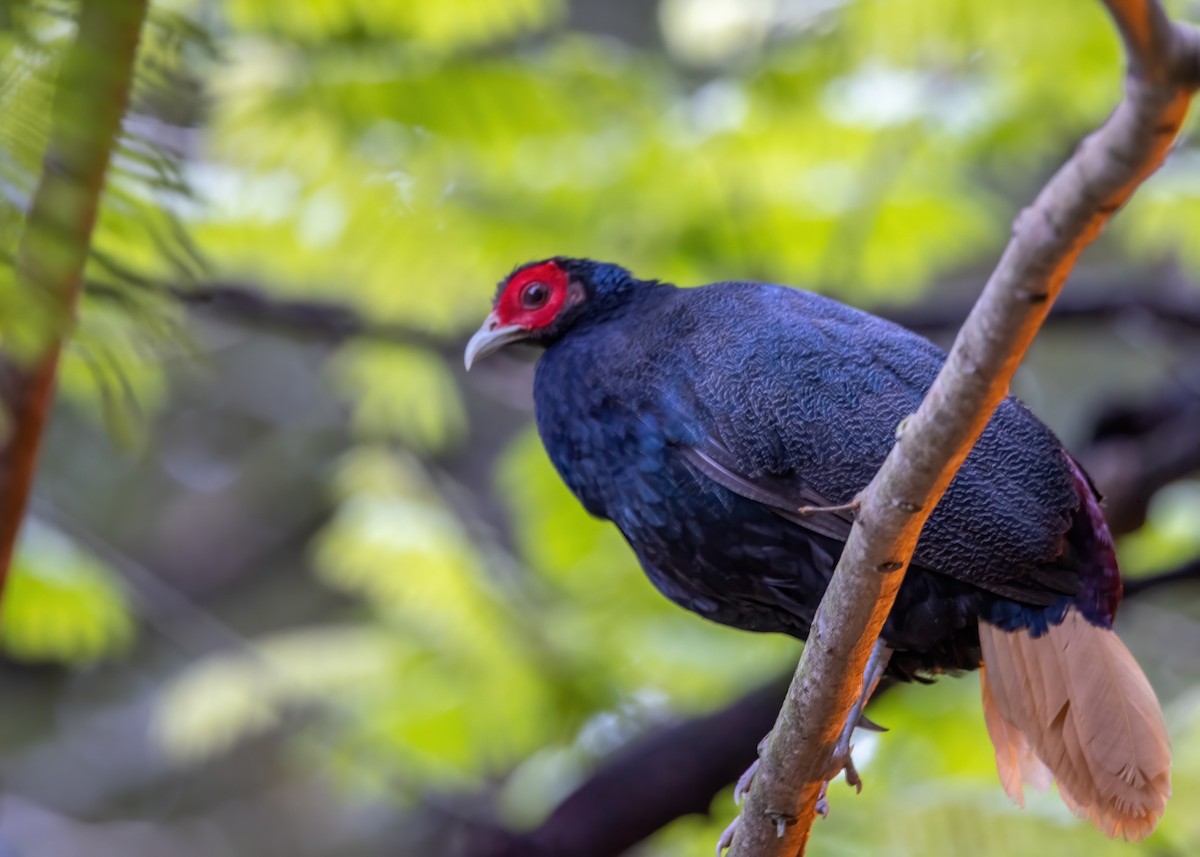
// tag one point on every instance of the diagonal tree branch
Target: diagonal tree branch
(1164, 69)
(90, 99)
(678, 770)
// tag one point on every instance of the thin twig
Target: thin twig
(1047, 238)
(805, 511)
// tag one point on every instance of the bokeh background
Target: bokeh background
(293, 584)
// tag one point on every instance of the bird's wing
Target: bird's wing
(789, 497)
(792, 400)
(795, 500)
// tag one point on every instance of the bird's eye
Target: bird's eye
(535, 295)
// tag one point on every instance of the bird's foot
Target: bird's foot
(822, 801)
(866, 723)
(726, 840)
(841, 763)
(847, 767)
(841, 760)
(742, 789)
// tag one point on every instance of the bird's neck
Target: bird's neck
(630, 299)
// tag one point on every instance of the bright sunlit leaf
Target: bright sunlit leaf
(61, 604)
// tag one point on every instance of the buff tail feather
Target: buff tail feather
(1073, 704)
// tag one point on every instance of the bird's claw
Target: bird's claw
(726, 840)
(852, 777)
(823, 802)
(742, 789)
(870, 725)
(840, 763)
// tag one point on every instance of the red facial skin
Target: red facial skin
(512, 307)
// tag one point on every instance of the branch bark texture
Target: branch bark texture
(679, 769)
(1163, 72)
(90, 99)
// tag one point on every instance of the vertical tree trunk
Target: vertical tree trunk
(90, 99)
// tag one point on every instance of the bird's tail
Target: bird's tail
(1073, 704)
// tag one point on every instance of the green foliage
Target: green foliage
(137, 224)
(30, 52)
(61, 604)
(442, 645)
(471, 685)
(113, 371)
(406, 393)
(454, 24)
(228, 697)
(1167, 213)
(1170, 535)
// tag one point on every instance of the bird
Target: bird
(726, 429)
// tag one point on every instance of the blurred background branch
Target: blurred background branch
(1127, 298)
(679, 770)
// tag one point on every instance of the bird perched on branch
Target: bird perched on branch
(726, 431)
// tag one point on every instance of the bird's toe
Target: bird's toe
(742, 789)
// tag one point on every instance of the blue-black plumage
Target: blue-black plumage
(701, 421)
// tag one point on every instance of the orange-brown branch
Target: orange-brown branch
(1047, 238)
(90, 100)
(27, 399)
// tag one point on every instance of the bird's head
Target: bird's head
(540, 301)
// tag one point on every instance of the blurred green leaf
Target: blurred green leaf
(227, 698)
(401, 392)
(1170, 534)
(444, 25)
(61, 604)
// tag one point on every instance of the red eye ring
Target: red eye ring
(535, 294)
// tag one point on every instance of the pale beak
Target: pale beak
(491, 337)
